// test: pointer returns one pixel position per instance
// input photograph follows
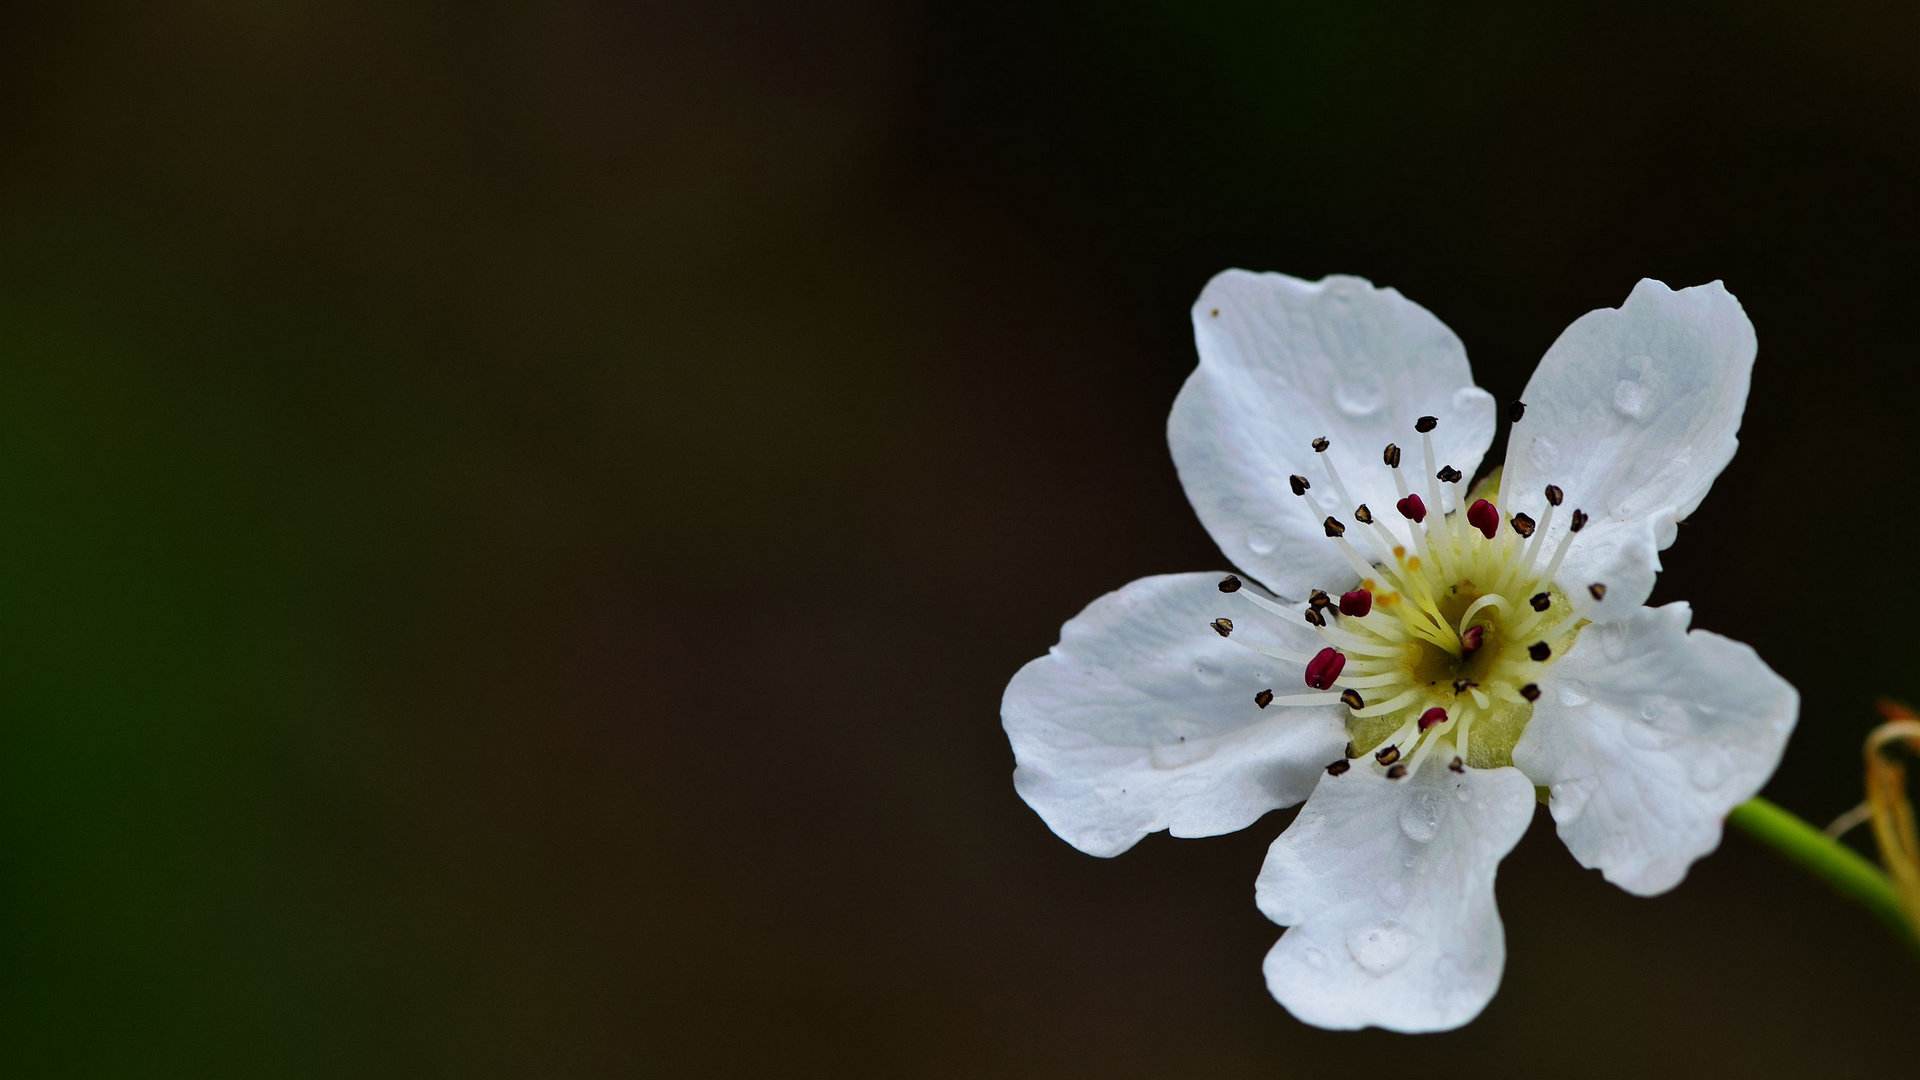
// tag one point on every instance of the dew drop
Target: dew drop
(1573, 693)
(1420, 817)
(1381, 947)
(1662, 722)
(1359, 397)
(1630, 398)
(1262, 541)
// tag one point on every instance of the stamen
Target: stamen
(1597, 590)
(1426, 424)
(1432, 718)
(1356, 604)
(1387, 755)
(1539, 650)
(1531, 691)
(1264, 698)
(1333, 526)
(1298, 483)
(1363, 514)
(1448, 473)
(1325, 667)
(1320, 445)
(1351, 699)
(1484, 516)
(1391, 455)
(1230, 583)
(1514, 412)
(1315, 618)
(1397, 772)
(1539, 601)
(1338, 768)
(1554, 495)
(1222, 626)
(1457, 765)
(1318, 598)
(1522, 524)
(1412, 509)
(1473, 638)
(1392, 705)
(1579, 520)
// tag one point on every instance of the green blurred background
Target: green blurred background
(517, 518)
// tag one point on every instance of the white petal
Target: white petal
(1285, 361)
(1388, 887)
(1632, 412)
(1647, 736)
(1142, 718)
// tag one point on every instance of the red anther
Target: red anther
(1484, 516)
(1356, 603)
(1475, 637)
(1325, 667)
(1433, 718)
(1412, 509)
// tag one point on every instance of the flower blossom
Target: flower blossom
(1419, 661)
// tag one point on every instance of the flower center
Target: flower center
(1451, 621)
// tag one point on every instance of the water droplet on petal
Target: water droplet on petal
(1420, 817)
(1262, 541)
(1381, 947)
(1630, 398)
(1573, 693)
(1359, 397)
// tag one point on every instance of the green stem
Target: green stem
(1849, 873)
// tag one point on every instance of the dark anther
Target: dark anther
(1320, 445)
(1222, 626)
(1391, 455)
(1448, 473)
(1356, 603)
(1351, 751)
(1515, 411)
(1351, 699)
(1597, 590)
(1264, 698)
(1539, 601)
(1484, 516)
(1325, 667)
(1397, 772)
(1554, 494)
(1315, 618)
(1457, 765)
(1461, 686)
(1363, 514)
(1230, 583)
(1412, 509)
(1426, 424)
(1539, 650)
(1433, 718)
(1334, 528)
(1298, 483)
(1475, 637)
(1522, 524)
(1338, 768)
(1318, 598)
(1579, 520)
(1387, 755)
(1531, 691)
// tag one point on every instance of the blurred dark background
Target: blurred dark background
(517, 519)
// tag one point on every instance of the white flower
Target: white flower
(1463, 661)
